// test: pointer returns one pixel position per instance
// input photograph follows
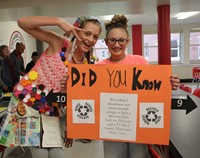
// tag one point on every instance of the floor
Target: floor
(85, 150)
(82, 150)
(95, 148)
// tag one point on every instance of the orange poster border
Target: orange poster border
(83, 90)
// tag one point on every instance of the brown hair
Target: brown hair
(93, 21)
(80, 23)
(118, 21)
(1, 49)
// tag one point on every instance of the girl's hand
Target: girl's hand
(175, 82)
(70, 29)
(63, 83)
(68, 142)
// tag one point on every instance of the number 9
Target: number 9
(179, 102)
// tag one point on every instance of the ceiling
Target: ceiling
(138, 11)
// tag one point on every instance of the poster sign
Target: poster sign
(125, 103)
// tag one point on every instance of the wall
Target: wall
(6, 30)
(184, 70)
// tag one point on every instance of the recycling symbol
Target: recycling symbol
(151, 116)
(83, 110)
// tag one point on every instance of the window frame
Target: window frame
(193, 30)
(180, 46)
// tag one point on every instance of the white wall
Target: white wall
(6, 30)
(184, 70)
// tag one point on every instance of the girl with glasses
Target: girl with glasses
(117, 39)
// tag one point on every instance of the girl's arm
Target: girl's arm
(34, 25)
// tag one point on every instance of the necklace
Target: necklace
(79, 62)
(63, 58)
(66, 62)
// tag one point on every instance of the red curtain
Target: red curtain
(164, 45)
(137, 39)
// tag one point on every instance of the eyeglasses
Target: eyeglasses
(113, 41)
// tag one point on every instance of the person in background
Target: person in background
(117, 39)
(32, 63)
(18, 60)
(60, 52)
(8, 77)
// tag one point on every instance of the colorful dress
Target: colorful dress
(43, 77)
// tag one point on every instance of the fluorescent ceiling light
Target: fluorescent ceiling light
(195, 29)
(107, 17)
(184, 15)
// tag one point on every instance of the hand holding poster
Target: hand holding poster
(119, 102)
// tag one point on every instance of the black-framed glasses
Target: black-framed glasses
(121, 41)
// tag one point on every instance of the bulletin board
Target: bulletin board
(127, 103)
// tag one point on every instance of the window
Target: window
(194, 46)
(151, 47)
(103, 54)
(175, 47)
(101, 51)
(102, 41)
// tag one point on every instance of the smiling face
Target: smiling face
(21, 109)
(117, 40)
(89, 37)
(5, 52)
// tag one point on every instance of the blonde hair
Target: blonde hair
(118, 21)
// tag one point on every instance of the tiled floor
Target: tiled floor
(95, 148)
(82, 150)
(85, 150)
